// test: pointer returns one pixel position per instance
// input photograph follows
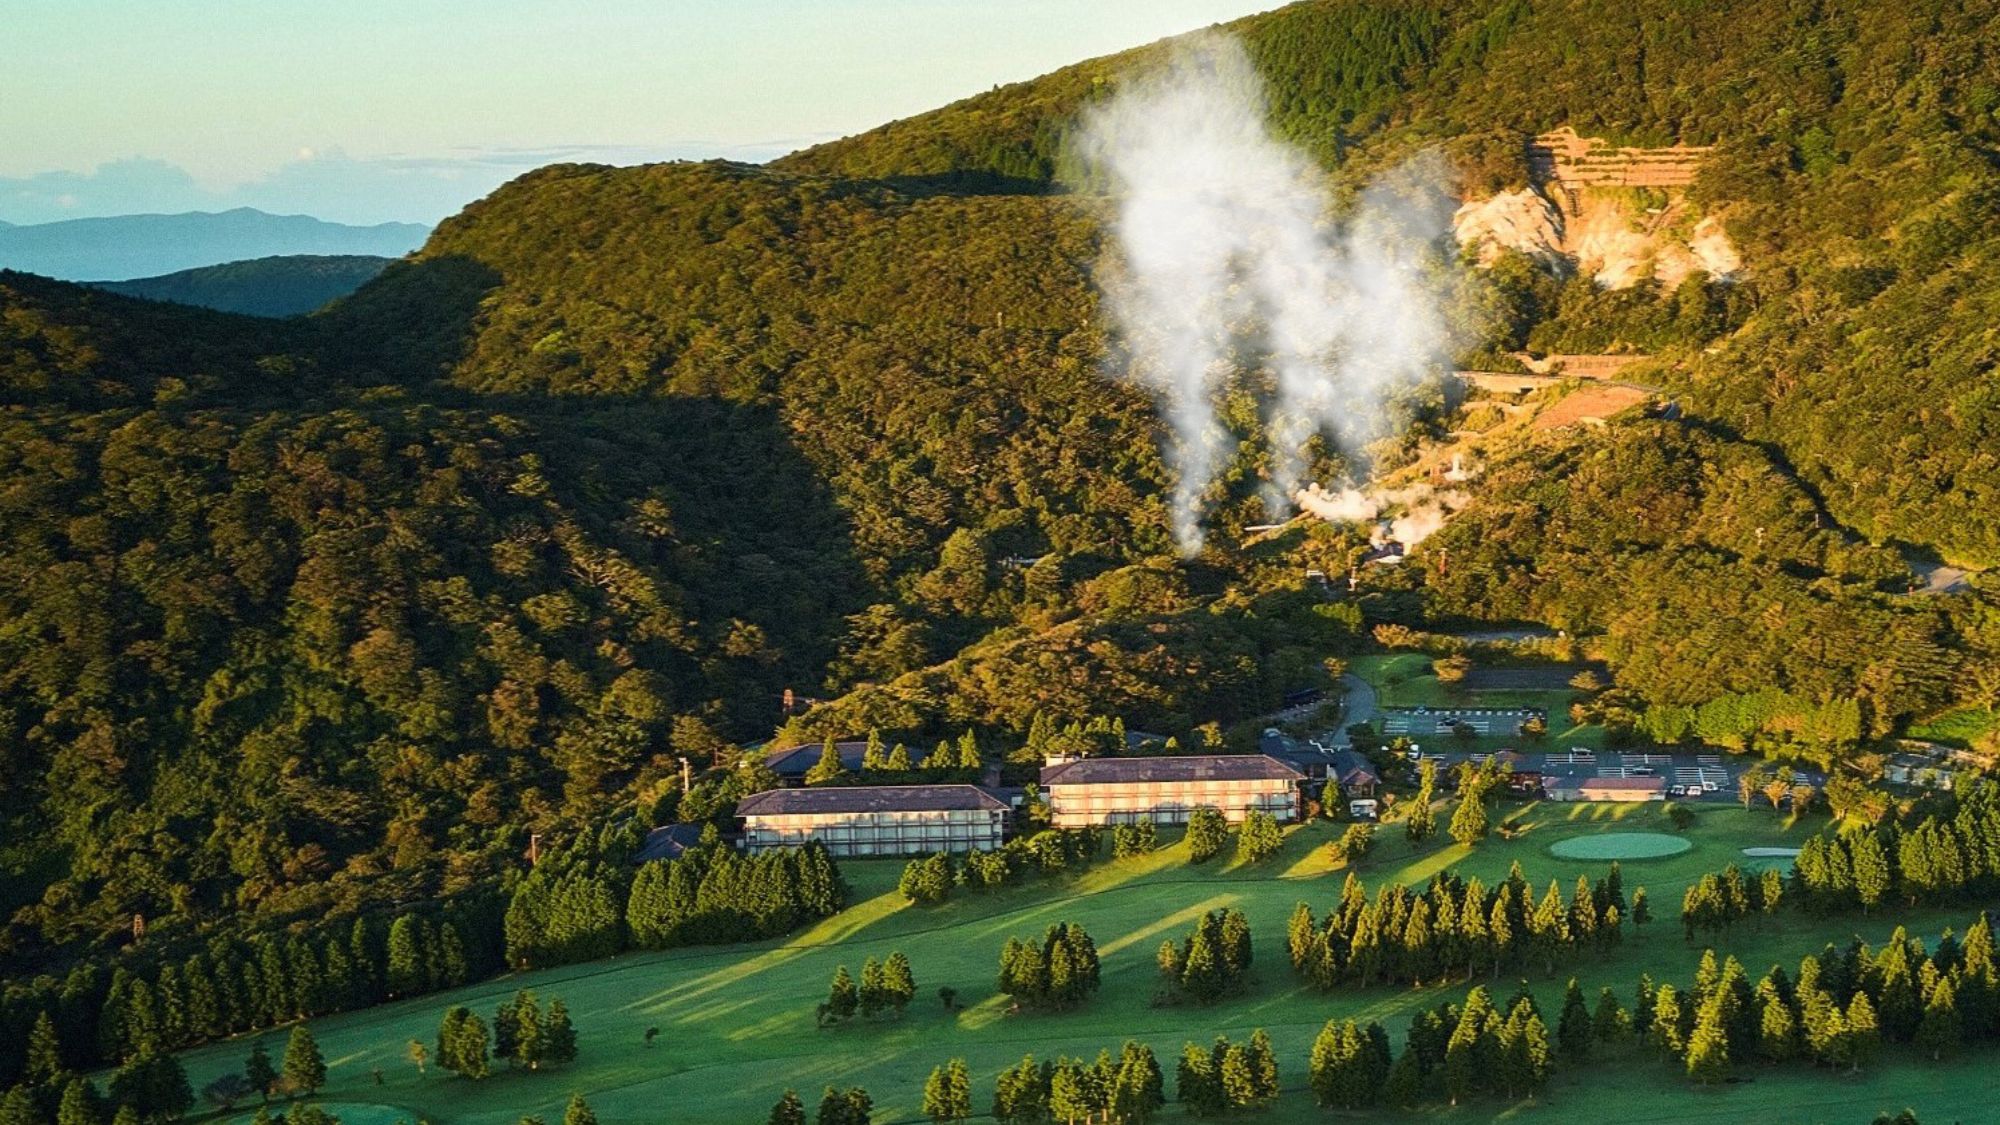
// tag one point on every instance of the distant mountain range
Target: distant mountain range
(287, 285)
(145, 246)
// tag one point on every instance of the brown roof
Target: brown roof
(869, 799)
(1624, 783)
(1199, 767)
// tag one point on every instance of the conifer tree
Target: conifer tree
(1468, 822)
(1197, 1086)
(1420, 822)
(1021, 1093)
(1404, 1087)
(788, 1111)
(827, 769)
(1666, 1022)
(1574, 1030)
(304, 1067)
(1777, 1031)
(1326, 1067)
(1870, 869)
(898, 760)
(1940, 1032)
(843, 998)
(578, 1112)
(43, 1060)
(899, 984)
(1138, 1089)
(1862, 1039)
(1069, 1092)
(968, 751)
(948, 1092)
(80, 1104)
(1609, 1023)
(258, 1071)
(1642, 909)
(558, 1034)
(1708, 1045)
(873, 997)
(1206, 832)
(405, 971)
(1263, 1066)
(1237, 1078)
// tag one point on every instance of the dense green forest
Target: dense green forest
(301, 616)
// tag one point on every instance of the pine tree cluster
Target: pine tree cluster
(928, 880)
(1838, 1010)
(1716, 902)
(523, 1034)
(1134, 838)
(886, 986)
(1226, 1077)
(714, 894)
(1213, 961)
(230, 986)
(1128, 1089)
(1058, 972)
(1946, 855)
(1453, 927)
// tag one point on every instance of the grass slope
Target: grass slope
(737, 1024)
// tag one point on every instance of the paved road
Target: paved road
(1357, 706)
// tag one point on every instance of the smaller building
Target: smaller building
(1919, 770)
(1357, 775)
(668, 841)
(1622, 789)
(875, 820)
(791, 763)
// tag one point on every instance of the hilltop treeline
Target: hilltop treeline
(583, 901)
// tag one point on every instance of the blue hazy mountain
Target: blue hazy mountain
(146, 246)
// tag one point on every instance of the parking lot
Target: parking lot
(1431, 722)
(1689, 776)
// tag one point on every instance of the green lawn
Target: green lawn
(1958, 728)
(736, 1024)
(1405, 679)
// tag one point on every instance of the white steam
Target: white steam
(1413, 514)
(1225, 242)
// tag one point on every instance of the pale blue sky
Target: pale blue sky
(370, 110)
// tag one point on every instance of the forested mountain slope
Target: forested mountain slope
(263, 630)
(298, 615)
(1856, 166)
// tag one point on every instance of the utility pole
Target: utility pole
(687, 774)
(534, 848)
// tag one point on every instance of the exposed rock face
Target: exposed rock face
(1603, 237)
(1575, 215)
(1522, 220)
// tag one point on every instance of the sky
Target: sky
(365, 111)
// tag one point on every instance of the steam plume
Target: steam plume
(1223, 233)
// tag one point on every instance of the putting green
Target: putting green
(1620, 845)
